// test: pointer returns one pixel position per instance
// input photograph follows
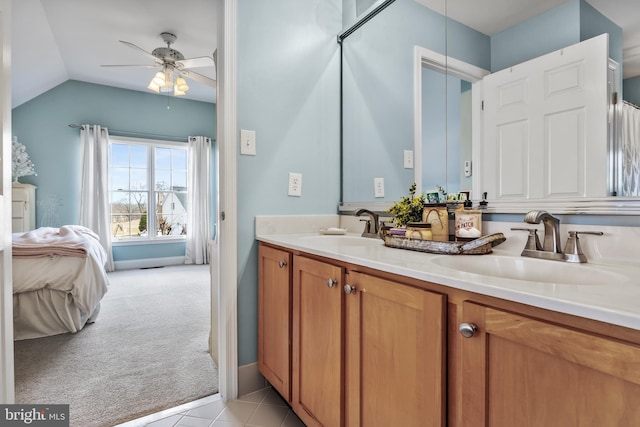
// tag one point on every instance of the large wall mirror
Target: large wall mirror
(412, 103)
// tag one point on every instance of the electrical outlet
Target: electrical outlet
(467, 168)
(408, 159)
(378, 187)
(248, 142)
(295, 184)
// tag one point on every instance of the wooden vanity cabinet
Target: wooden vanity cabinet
(395, 354)
(370, 349)
(274, 318)
(519, 371)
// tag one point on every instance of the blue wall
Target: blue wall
(549, 31)
(288, 92)
(441, 132)
(631, 90)
(41, 125)
(567, 24)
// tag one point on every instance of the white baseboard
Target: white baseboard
(250, 379)
(148, 262)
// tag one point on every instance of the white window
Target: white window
(148, 189)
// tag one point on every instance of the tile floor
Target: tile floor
(263, 408)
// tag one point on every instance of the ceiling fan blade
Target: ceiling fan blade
(201, 61)
(127, 65)
(133, 46)
(198, 77)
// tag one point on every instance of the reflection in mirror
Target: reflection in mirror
(444, 125)
(378, 110)
(378, 94)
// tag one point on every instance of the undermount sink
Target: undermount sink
(343, 240)
(531, 270)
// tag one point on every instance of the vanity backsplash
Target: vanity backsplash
(618, 245)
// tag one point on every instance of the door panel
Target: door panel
(545, 125)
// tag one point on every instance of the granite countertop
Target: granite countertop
(600, 291)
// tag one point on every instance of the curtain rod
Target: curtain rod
(116, 132)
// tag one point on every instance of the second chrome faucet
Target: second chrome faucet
(550, 247)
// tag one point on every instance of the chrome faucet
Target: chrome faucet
(550, 247)
(551, 241)
(371, 225)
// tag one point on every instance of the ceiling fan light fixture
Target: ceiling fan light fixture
(154, 87)
(158, 79)
(181, 85)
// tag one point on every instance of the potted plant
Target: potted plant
(408, 209)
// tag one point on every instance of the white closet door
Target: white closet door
(546, 125)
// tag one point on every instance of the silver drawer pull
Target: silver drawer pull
(331, 283)
(468, 330)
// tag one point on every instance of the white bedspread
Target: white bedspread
(82, 278)
(68, 240)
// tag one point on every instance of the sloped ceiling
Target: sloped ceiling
(57, 40)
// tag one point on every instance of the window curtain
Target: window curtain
(629, 150)
(199, 200)
(94, 191)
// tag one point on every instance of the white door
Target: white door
(546, 125)
(6, 298)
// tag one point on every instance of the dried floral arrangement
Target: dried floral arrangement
(21, 164)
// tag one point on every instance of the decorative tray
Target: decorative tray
(481, 245)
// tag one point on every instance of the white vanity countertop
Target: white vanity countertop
(617, 301)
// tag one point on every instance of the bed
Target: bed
(58, 280)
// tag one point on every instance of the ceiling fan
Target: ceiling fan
(173, 67)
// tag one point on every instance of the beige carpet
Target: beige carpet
(147, 351)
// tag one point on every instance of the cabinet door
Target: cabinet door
(523, 372)
(395, 341)
(317, 342)
(274, 318)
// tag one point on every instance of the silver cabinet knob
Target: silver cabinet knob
(331, 283)
(282, 264)
(348, 289)
(468, 330)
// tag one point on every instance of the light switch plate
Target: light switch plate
(248, 142)
(295, 184)
(408, 159)
(467, 168)
(378, 187)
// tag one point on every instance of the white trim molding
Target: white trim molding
(586, 206)
(149, 262)
(7, 383)
(227, 275)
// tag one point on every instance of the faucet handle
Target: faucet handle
(533, 243)
(572, 250)
(367, 225)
